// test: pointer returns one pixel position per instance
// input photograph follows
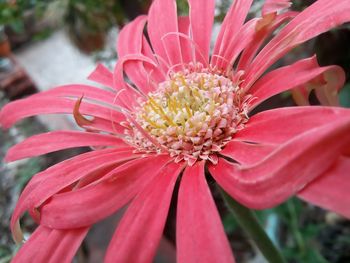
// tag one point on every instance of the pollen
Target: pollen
(192, 115)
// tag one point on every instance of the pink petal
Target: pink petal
(155, 73)
(287, 78)
(200, 236)
(272, 6)
(331, 190)
(230, 26)
(130, 37)
(320, 17)
(140, 230)
(31, 247)
(201, 20)
(247, 153)
(286, 170)
(127, 95)
(102, 75)
(186, 46)
(108, 126)
(58, 140)
(51, 246)
(130, 42)
(279, 125)
(237, 43)
(23, 108)
(264, 28)
(78, 91)
(162, 19)
(56, 178)
(96, 201)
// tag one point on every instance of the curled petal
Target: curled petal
(130, 41)
(290, 77)
(326, 87)
(127, 95)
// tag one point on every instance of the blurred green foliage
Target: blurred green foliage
(345, 96)
(292, 227)
(12, 12)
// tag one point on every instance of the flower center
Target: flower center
(192, 116)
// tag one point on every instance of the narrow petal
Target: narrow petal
(272, 124)
(130, 42)
(186, 45)
(196, 211)
(127, 95)
(78, 91)
(62, 175)
(230, 26)
(274, 6)
(289, 77)
(237, 43)
(168, 47)
(264, 29)
(286, 170)
(155, 73)
(66, 245)
(30, 248)
(140, 230)
(102, 75)
(59, 140)
(308, 24)
(108, 126)
(201, 19)
(90, 204)
(130, 37)
(32, 106)
(51, 246)
(331, 190)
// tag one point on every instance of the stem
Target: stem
(294, 225)
(249, 222)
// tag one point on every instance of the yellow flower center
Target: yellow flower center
(191, 115)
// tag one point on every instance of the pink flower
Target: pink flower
(189, 111)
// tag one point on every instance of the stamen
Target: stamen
(192, 115)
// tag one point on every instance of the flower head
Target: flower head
(183, 108)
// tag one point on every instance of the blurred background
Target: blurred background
(46, 43)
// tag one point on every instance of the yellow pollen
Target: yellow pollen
(192, 114)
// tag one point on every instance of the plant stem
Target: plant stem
(249, 222)
(294, 225)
